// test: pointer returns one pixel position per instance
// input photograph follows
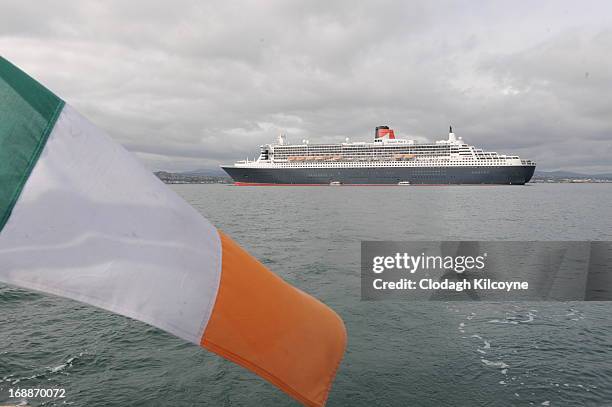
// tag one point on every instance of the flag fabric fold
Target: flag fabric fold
(82, 219)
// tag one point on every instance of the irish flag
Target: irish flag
(82, 219)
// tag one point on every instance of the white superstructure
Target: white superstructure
(384, 151)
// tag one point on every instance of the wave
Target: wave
(10, 295)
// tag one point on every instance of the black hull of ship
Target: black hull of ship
(504, 175)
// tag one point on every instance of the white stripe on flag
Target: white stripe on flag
(94, 225)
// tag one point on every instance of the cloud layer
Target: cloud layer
(190, 84)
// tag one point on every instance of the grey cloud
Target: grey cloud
(187, 84)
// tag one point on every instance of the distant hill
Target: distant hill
(191, 178)
(570, 175)
(206, 172)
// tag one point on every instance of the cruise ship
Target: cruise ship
(384, 161)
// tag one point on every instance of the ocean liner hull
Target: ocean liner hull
(455, 175)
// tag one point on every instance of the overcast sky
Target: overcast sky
(191, 84)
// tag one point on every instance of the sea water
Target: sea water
(400, 353)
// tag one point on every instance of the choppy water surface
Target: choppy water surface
(400, 352)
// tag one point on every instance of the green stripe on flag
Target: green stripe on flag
(28, 112)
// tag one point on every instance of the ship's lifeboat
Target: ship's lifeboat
(401, 157)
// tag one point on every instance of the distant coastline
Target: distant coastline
(192, 178)
(218, 177)
(566, 177)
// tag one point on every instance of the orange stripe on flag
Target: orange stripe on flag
(266, 325)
